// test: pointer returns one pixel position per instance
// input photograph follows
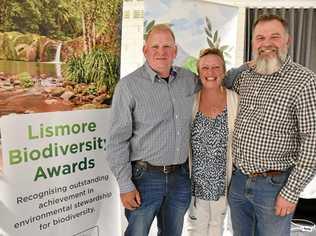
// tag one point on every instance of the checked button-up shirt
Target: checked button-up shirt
(276, 125)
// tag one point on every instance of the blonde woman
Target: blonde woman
(214, 113)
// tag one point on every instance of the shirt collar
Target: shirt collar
(285, 65)
(154, 76)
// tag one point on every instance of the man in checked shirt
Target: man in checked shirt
(274, 141)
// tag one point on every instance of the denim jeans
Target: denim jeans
(252, 205)
(165, 196)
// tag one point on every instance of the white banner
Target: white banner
(54, 179)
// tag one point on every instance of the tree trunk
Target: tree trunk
(84, 34)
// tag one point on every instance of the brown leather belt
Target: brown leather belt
(267, 173)
(164, 169)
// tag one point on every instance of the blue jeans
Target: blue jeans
(252, 205)
(165, 196)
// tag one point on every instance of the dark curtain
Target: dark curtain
(302, 29)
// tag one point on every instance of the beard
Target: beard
(270, 65)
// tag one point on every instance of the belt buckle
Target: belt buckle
(256, 174)
(165, 170)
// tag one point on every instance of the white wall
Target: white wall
(267, 3)
(132, 30)
(242, 4)
(132, 36)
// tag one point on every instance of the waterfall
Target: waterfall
(57, 61)
(57, 55)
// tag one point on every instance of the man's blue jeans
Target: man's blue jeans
(252, 205)
(166, 196)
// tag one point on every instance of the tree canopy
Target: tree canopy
(61, 19)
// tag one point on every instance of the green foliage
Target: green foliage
(190, 64)
(109, 12)
(100, 22)
(102, 68)
(65, 19)
(214, 40)
(91, 89)
(147, 27)
(7, 50)
(75, 69)
(50, 18)
(26, 80)
(98, 67)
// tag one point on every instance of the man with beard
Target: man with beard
(274, 141)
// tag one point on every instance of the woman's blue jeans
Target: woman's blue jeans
(165, 196)
(252, 205)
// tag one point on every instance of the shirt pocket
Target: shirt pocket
(184, 108)
(276, 115)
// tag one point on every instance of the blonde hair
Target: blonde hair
(211, 51)
(161, 27)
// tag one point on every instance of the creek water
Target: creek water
(33, 68)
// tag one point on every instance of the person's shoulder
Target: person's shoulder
(131, 78)
(303, 72)
(232, 95)
(134, 75)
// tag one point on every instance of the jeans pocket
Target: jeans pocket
(278, 180)
(185, 170)
(137, 172)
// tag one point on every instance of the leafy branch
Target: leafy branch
(214, 40)
(147, 27)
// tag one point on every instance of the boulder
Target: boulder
(80, 88)
(102, 90)
(100, 99)
(20, 38)
(58, 91)
(32, 52)
(47, 49)
(51, 101)
(7, 50)
(67, 95)
(21, 51)
(67, 83)
(17, 82)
